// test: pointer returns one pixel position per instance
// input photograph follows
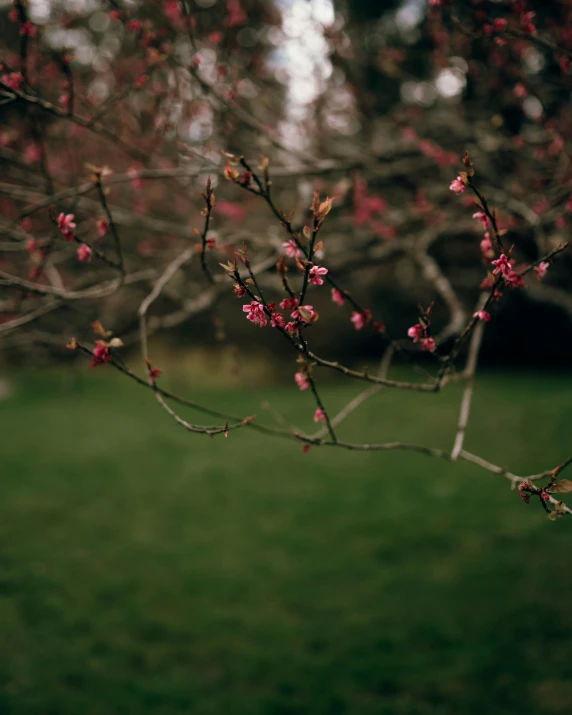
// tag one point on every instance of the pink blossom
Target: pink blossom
(32, 153)
(114, 15)
(520, 90)
(134, 25)
(141, 81)
(319, 415)
(554, 150)
(409, 134)
(514, 280)
(66, 221)
(28, 30)
(302, 380)
(379, 326)
(66, 225)
(239, 290)
(338, 297)
(13, 80)
(359, 319)
(154, 373)
(277, 320)
(521, 490)
(101, 354)
(136, 181)
(482, 315)
(526, 20)
(315, 275)
(232, 210)
(235, 15)
(365, 205)
(304, 313)
(84, 253)
(292, 329)
(503, 265)
(482, 217)
(541, 207)
(384, 231)
(487, 283)
(291, 249)
(500, 24)
(429, 345)
(256, 313)
(102, 226)
(289, 303)
(428, 148)
(173, 10)
(541, 269)
(210, 243)
(487, 247)
(416, 332)
(457, 185)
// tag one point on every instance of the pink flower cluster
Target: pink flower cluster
(316, 273)
(28, 30)
(458, 186)
(13, 80)
(365, 205)
(498, 26)
(304, 314)
(505, 267)
(289, 303)
(258, 313)
(338, 297)
(487, 250)
(255, 313)
(418, 333)
(102, 226)
(521, 490)
(483, 218)
(84, 253)
(66, 225)
(526, 21)
(101, 354)
(302, 380)
(482, 315)
(235, 15)
(360, 319)
(541, 269)
(154, 374)
(319, 415)
(291, 249)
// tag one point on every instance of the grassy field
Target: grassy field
(146, 570)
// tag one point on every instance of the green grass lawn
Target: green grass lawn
(147, 570)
